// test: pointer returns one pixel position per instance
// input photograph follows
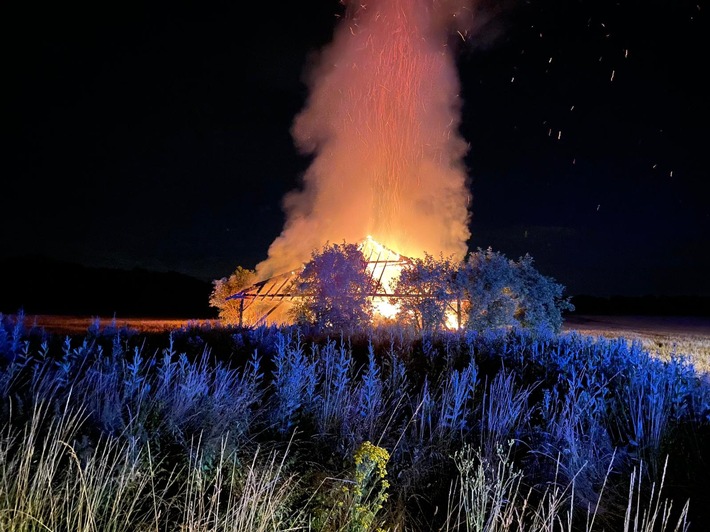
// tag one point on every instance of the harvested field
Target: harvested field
(662, 335)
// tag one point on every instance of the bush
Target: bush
(425, 295)
(171, 426)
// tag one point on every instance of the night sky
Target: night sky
(158, 135)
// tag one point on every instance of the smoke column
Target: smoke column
(381, 123)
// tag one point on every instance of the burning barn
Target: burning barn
(268, 301)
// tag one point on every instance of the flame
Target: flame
(452, 321)
(381, 124)
(268, 304)
(385, 266)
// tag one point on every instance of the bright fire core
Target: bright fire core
(384, 265)
(270, 301)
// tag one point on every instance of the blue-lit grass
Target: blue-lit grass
(116, 430)
(490, 495)
(49, 481)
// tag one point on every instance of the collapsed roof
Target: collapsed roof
(268, 301)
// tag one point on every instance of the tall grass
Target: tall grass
(48, 482)
(489, 496)
(268, 429)
(47, 485)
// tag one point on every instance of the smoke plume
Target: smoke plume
(382, 126)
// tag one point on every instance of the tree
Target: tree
(333, 290)
(230, 309)
(541, 298)
(424, 293)
(487, 278)
(504, 293)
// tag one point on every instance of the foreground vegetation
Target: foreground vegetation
(282, 428)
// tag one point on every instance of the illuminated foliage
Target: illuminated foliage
(487, 291)
(541, 300)
(425, 294)
(333, 290)
(364, 436)
(229, 309)
(370, 470)
(356, 505)
(502, 293)
(489, 281)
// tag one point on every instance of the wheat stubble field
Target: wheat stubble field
(661, 335)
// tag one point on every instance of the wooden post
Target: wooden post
(458, 313)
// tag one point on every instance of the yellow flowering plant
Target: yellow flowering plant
(362, 497)
(369, 490)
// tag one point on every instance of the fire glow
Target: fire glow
(270, 301)
(381, 125)
(384, 265)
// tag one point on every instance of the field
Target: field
(148, 424)
(62, 324)
(662, 335)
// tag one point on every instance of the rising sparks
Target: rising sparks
(381, 122)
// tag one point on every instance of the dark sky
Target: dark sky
(157, 135)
